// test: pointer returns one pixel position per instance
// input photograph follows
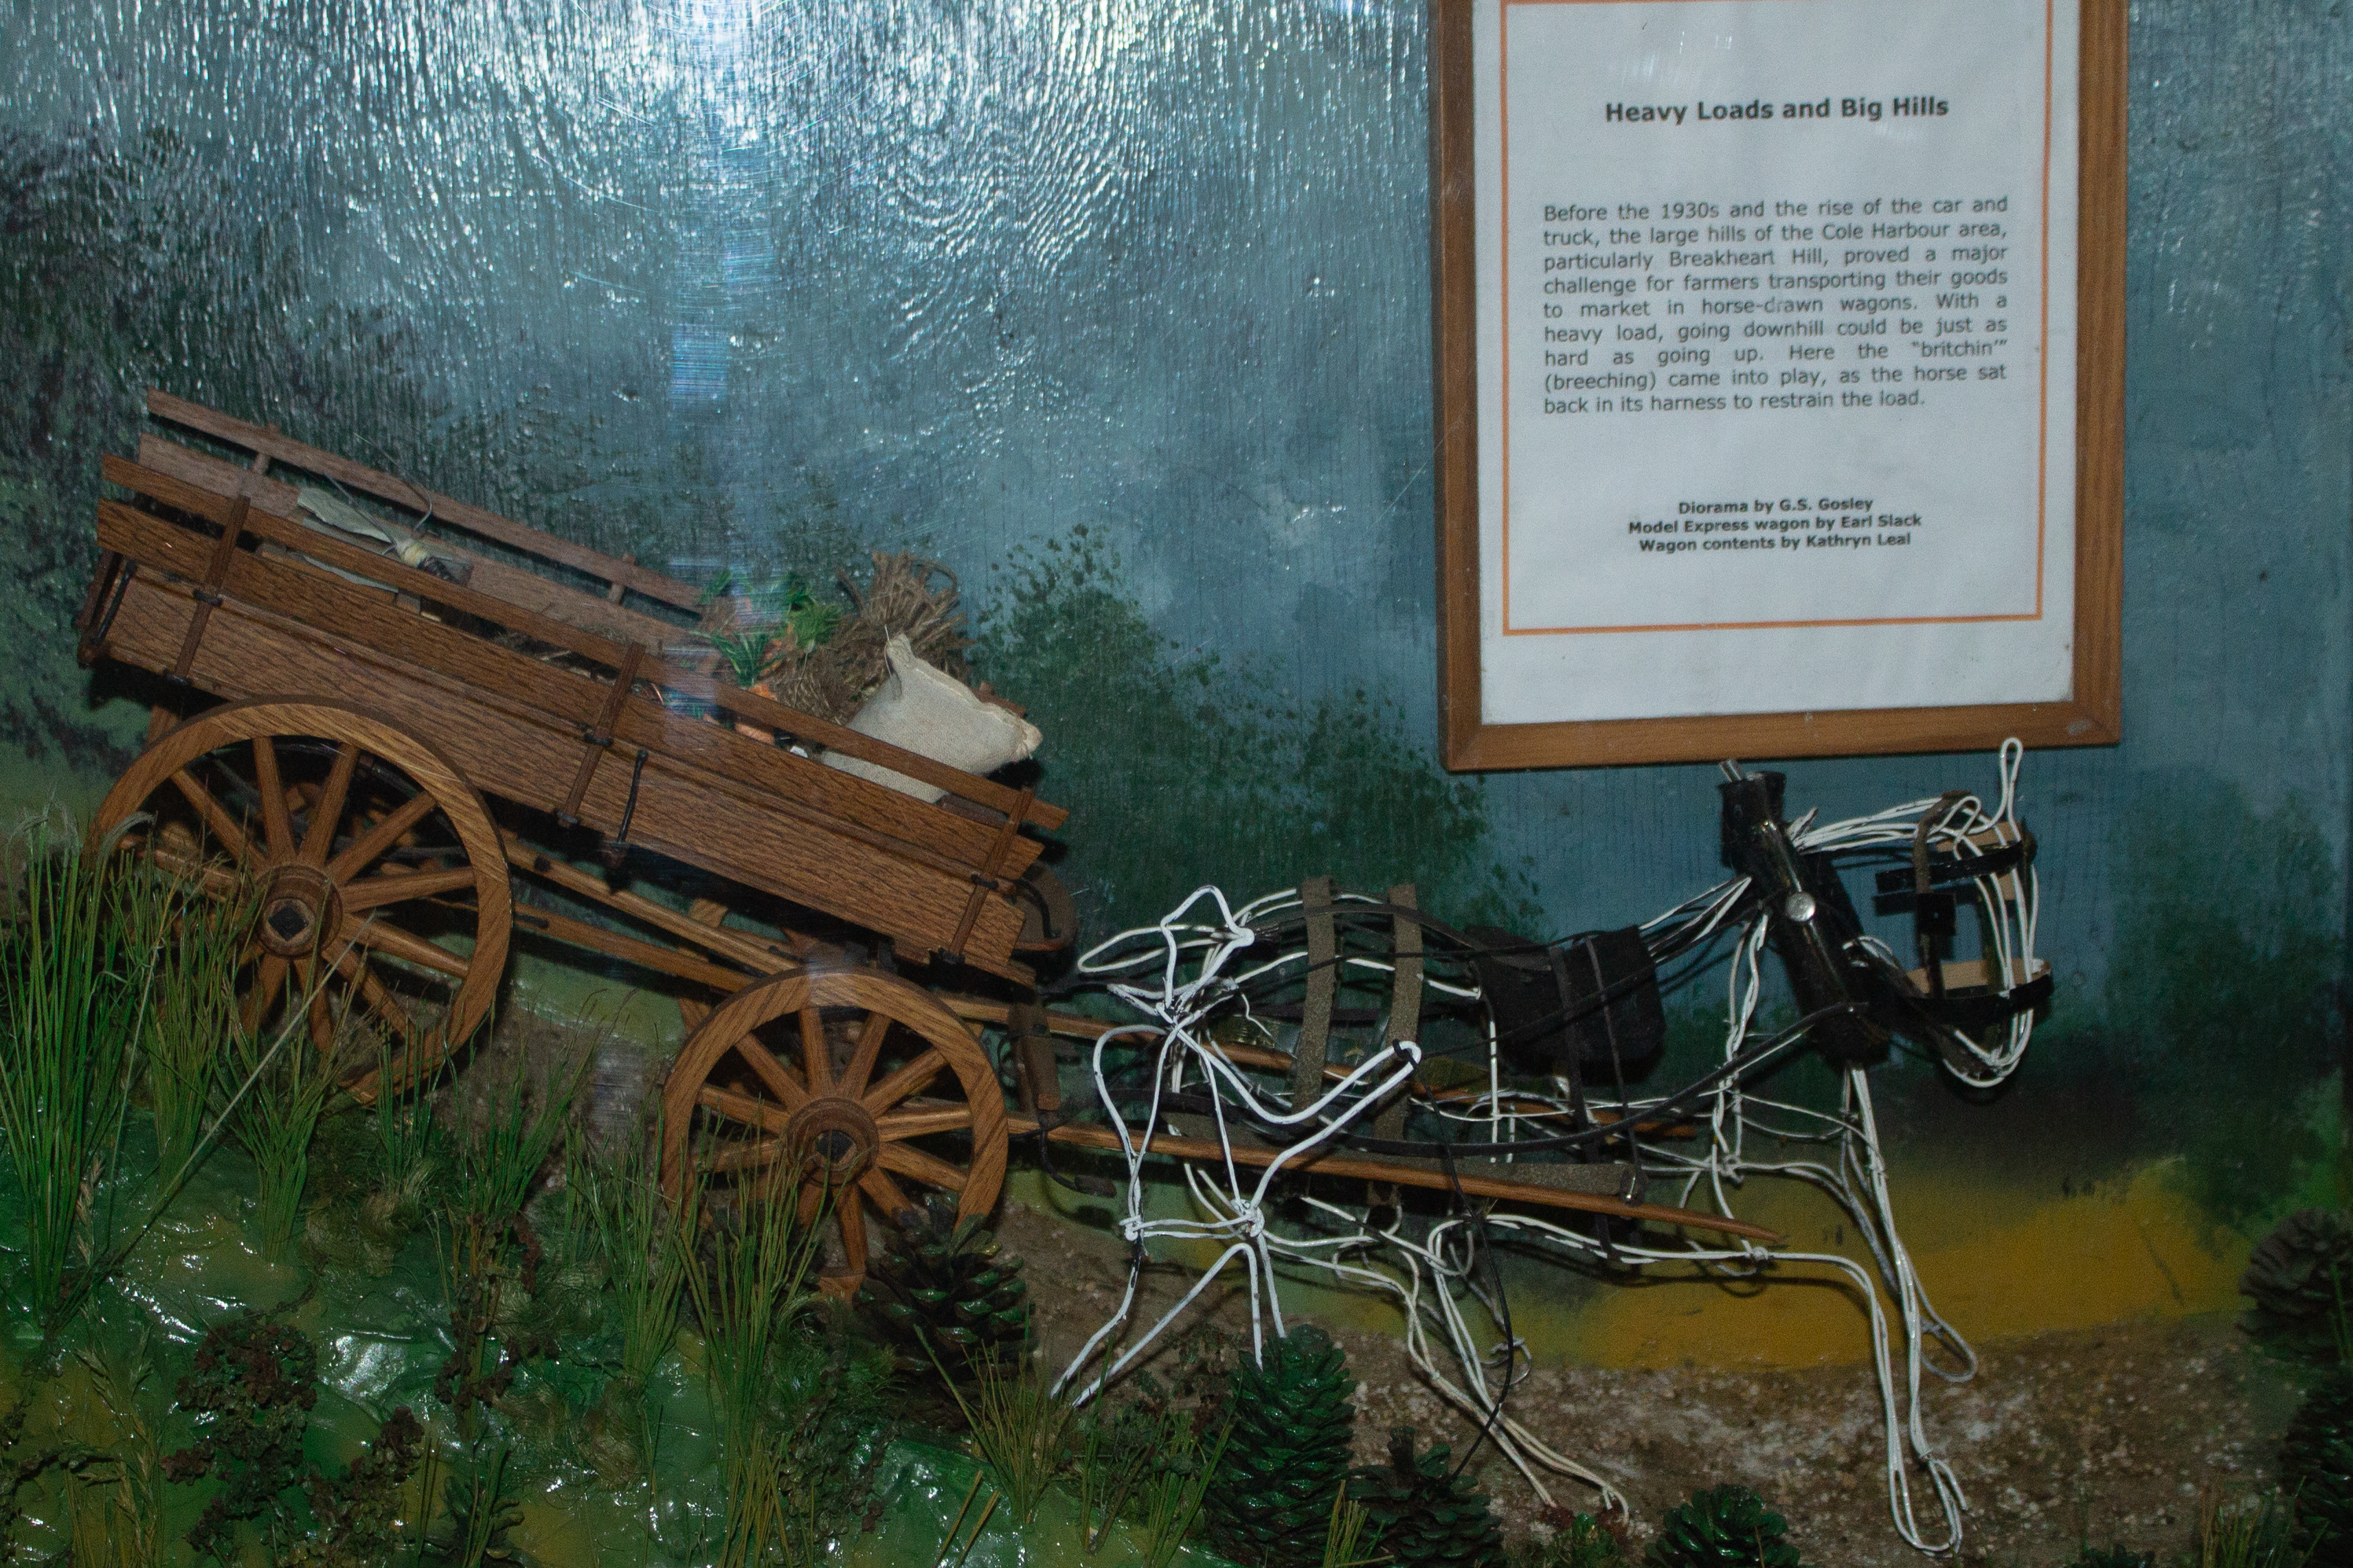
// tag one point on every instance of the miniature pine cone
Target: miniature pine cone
(1425, 1516)
(1722, 1527)
(1286, 1456)
(943, 1290)
(2294, 1272)
(2316, 1469)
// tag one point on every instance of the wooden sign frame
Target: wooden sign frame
(2091, 715)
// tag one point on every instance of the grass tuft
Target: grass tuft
(77, 965)
(629, 1229)
(482, 1232)
(272, 1097)
(2256, 1531)
(749, 1285)
(194, 1014)
(1019, 1425)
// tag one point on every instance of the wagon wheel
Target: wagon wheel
(379, 889)
(855, 1089)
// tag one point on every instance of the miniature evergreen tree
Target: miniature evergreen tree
(1722, 1527)
(943, 1290)
(1425, 1516)
(2316, 1469)
(1286, 1456)
(2296, 1273)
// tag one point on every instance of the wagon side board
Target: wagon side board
(509, 748)
(386, 575)
(627, 575)
(495, 674)
(525, 589)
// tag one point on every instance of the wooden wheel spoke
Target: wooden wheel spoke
(216, 818)
(928, 1169)
(276, 825)
(311, 989)
(742, 1108)
(213, 877)
(391, 888)
(376, 997)
(862, 1060)
(903, 1125)
(746, 1157)
(906, 1081)
(888, 1195)
(268, 979)
(328, 809)
(812, 1199)
(851, 1208)
(773, 1073)
(816, 1057)
(395, 943)
(381, 838)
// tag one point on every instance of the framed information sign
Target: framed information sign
(1779, 353)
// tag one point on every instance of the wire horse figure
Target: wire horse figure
(1204, 976)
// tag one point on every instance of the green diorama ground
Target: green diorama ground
(590, 1469)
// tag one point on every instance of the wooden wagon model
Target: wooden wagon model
(379, 750)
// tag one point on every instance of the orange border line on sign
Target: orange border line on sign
(1504, 297)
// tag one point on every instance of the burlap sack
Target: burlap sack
(928, 711)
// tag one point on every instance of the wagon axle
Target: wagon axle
(832, 1141)
(301, 910)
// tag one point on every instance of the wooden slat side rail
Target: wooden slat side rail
(416, 499)
(685, 815)
(771, 715)
(630, 950)
(736, 947)
(688, 683)
(506, 749)
(1087, 1136)
(790, 785)
(385, 569)
(502, 580)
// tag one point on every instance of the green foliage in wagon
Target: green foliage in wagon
(773, 616)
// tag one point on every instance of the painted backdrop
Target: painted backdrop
(1119, 308)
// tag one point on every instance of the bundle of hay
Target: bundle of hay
(832, 678)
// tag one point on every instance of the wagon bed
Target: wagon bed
(208, 579)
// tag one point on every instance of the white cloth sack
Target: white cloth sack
(921, 708)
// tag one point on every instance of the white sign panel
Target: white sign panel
(1775, 349)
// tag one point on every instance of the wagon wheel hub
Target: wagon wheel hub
(300, 908)
(832, 1139)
